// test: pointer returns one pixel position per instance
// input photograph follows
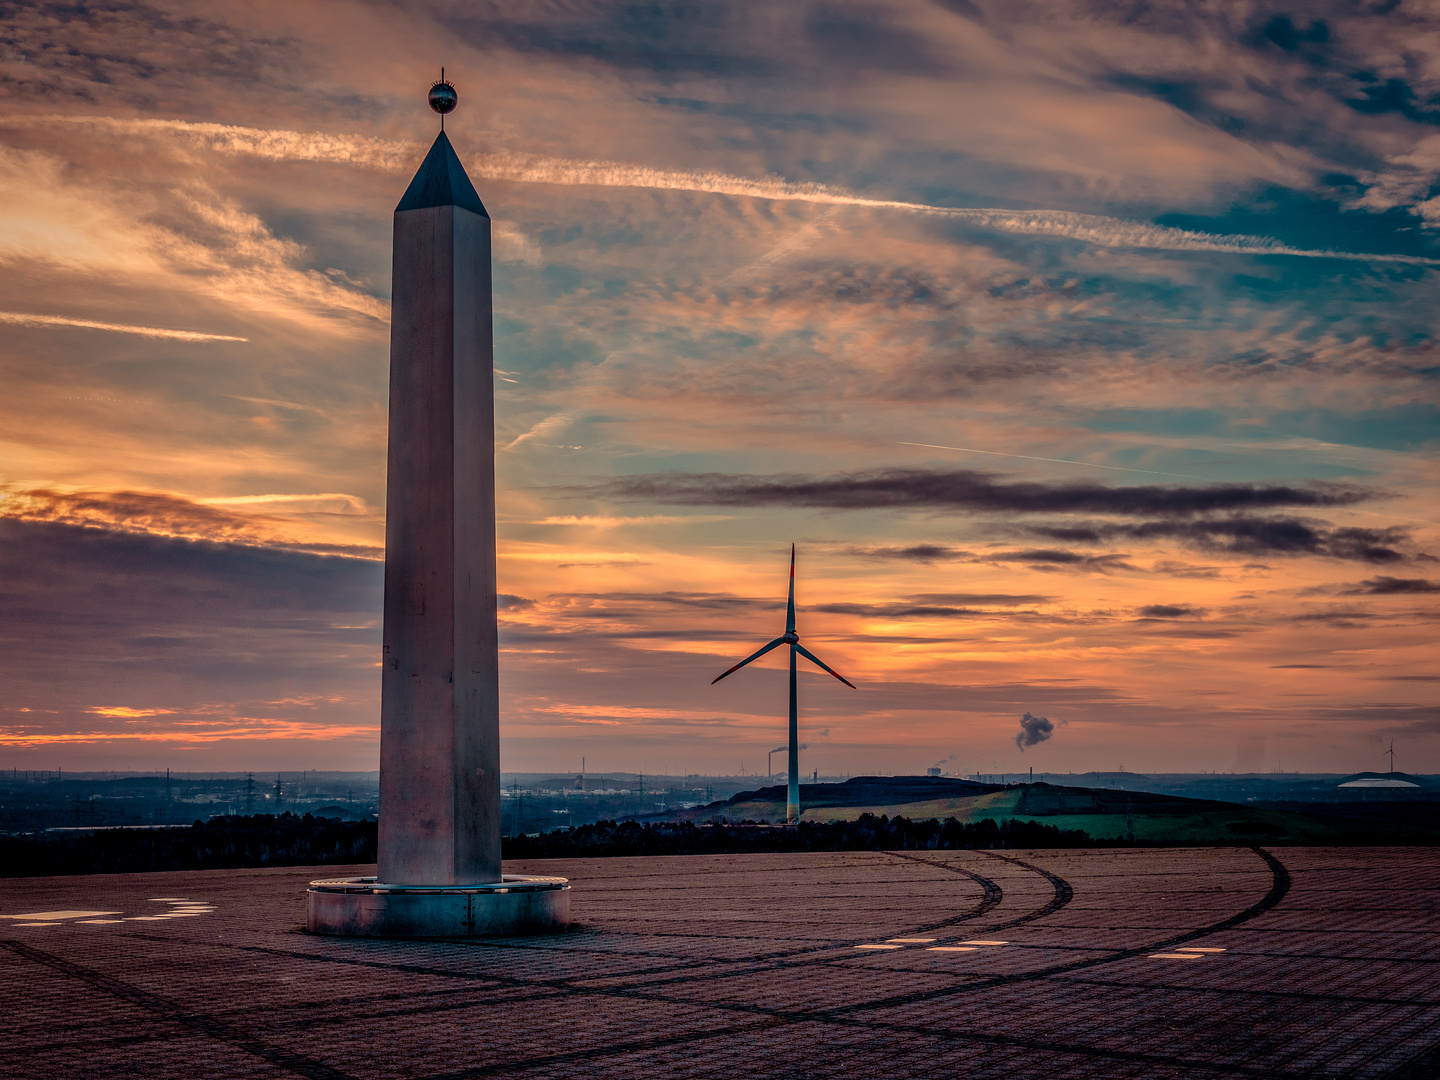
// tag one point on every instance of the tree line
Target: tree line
(868, 833)
(258, 840)
(222, 843)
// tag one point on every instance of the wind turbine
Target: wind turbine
(792, 801)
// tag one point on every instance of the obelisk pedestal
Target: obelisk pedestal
(439, 845)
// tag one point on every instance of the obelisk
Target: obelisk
(439, 702)
(439, 831)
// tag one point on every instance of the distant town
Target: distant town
(46, 800)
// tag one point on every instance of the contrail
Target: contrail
(397, 156)
(21, 318)
(550, 424)
(1057, 460)
(273, 144)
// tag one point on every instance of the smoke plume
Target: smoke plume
(1033, 731)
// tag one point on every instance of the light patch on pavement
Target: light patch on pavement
(912, 940)
(1198, 948)
(952, 948)
(1177, 956)
(180, 908)
(984, 943)
(879, 946)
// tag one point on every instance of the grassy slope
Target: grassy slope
(997, 805)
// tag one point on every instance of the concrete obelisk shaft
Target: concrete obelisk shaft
(439, 712)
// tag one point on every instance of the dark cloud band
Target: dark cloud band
(1243, 534)
(1392, 586)
(966, 490)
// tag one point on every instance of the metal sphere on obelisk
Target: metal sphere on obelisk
(443, 98)
(439, 848)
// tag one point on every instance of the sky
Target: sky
(1086, 352)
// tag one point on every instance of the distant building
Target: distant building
(1382, 786)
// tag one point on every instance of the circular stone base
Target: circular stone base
(360, 907)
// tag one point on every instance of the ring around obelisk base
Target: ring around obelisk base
(362, 907)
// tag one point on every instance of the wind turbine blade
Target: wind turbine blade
(755, 656)
(790, 611)
(821, 663)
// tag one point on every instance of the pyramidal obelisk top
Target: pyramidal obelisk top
(441, 181)
(439, 869)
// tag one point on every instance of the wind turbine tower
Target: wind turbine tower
(791, 638)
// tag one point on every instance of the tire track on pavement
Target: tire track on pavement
(993, 893)
(1063, 892)
(1279, 886)
(199, 1023)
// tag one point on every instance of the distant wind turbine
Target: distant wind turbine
(792, 801)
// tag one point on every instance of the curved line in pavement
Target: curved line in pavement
(1063, 892)
(201, 1023)
(847, 1015)
(993, 893)
(1279, 886)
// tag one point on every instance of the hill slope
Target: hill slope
(1103, 813)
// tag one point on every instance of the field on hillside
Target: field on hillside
(1119, 815)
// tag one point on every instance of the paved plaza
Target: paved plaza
(1203, 963)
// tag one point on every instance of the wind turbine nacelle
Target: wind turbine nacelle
(790, 637)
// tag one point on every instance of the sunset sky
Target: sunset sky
(1087, 352)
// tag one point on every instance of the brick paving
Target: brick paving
(750, 966)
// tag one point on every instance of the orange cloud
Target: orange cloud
(245, 727)
(159, 513)
(125, 712)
